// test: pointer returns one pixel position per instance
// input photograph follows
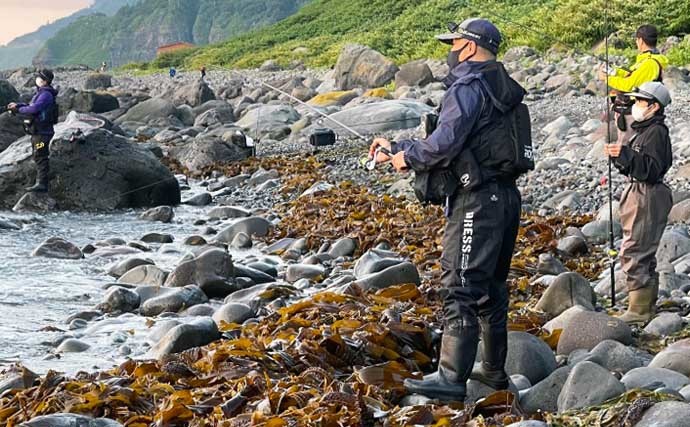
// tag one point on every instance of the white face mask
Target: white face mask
(40, 82)
(639, 113)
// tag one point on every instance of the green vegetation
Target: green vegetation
(404, 29)
(136, 31)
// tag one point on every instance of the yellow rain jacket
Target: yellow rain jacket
(646, 69)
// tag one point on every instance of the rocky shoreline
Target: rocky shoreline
(330, 297)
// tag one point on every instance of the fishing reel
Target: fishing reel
(369, 162)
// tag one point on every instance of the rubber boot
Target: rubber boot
(449, 382)
(642, 304)
(42, 180)
(494, 351)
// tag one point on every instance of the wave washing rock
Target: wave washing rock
(101, 171)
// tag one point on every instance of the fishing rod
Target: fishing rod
(612, 252)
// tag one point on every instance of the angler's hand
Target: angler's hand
(613, 150)
(380, 142)
(12, 106)
(398, 162)
(602, 74)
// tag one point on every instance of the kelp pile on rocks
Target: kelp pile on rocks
(330, 359)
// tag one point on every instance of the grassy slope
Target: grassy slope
(404, 29)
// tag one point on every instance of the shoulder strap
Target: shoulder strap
(660, 78)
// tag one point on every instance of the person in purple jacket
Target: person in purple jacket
(43, 111)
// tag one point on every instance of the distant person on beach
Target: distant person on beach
(649, 66)
(647, 200)
(203, 72)
(104, 67)
(173, 72)
(42, 115)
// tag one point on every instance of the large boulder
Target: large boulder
(149, 110)
(378, 117)
(183, 337)
(204, 152)
(361, 66)
(193, 94)
(8, 93)
(272, 121)
(88, 102)
(567, 290)
(415, 73)
(212, 271)
(144, 275)
(57, 247)
(586, 329)
(99, 172)
(10, 130)
(98, 81)
(587, 385)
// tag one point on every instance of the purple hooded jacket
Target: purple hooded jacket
(39, 108)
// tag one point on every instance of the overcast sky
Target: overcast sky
(18, 17)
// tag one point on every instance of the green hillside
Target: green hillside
(404, 29)
(135, 32)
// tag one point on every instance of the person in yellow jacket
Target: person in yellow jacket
(649, 67)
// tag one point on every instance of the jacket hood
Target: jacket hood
(50, 89)
(505, 92)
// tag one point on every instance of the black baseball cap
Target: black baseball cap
(46, 75)
(480, 31)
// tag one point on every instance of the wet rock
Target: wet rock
(241, 241)
(119, 299)
(361, 66)
(212, 271)
(144, 275)
(201, 199)
(72, 345)
(588, 384)
(122, 267)
(17, 378)
(573, 245)
(233, 313)
(252, 226)
(226, 212)
(172, 300)
(529, 356)
(614, 356)
(549, 264)
(398, 274)
(160, 214)
(204, 310)
(343, 247)
(567, 290)
(665, 324)
(87, 315)
(195, 241)
(375, 260)
(685, 392)
(183, 337)
(586, 329)
(543, 396)
(675, 357)
(414, 400)
(256, 275)
(69, 420)
(646, 376)
(157, 238)
(77, 324)
(193, 94)
(296, 272)
(35, 202)
(666, 414)
(57, 247)
(530, 423)
(415, 73)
